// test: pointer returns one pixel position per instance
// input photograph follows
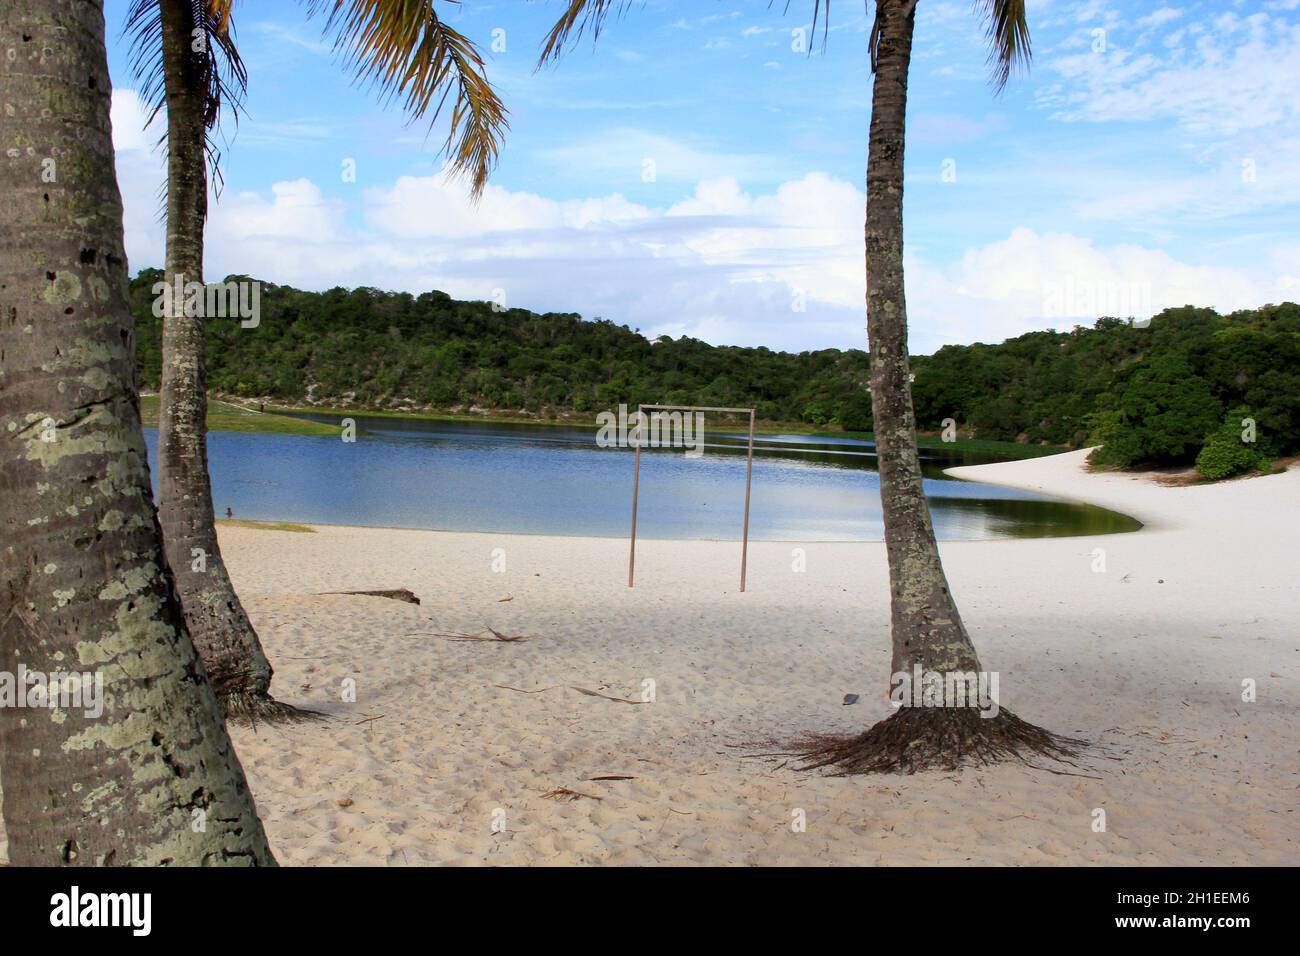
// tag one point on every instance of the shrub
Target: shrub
(1225, 453)
(1159, 415)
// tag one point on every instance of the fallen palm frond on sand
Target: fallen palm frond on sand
(596, 693)
(396, 594)
(580, 690)
(565, 795)
(493, 635)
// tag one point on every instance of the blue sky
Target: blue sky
(696, 173)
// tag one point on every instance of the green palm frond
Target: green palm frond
(1008, 36)
(403, 48)
(218, 71)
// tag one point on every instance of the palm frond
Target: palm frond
(219, 73)
(578, 17)
(581, 16)
(826, 23)
(403, 48)
(817, 13)
(1008, 36)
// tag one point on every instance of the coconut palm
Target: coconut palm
(186, 60)
(152, 779)
(927, 629)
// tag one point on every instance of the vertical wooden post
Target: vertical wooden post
(749, 471)
(636, 482)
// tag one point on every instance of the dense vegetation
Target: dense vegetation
(1155, 395)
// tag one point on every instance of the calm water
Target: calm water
(551, 480)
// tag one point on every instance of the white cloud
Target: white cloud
(296, 212)
(140, 174)
(619, 155)
(432, 207)
(1220, 95)
(1055, 280)
(721, 263)
(1159, 17)
(293, 37)
(1240, 76)
(807, 235)
(128, 114)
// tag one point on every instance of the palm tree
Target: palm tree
(153, 778)
(186, 60)
(927, 630)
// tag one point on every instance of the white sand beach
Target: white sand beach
(446, 738)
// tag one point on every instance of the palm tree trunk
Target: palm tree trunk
(237, 667)
(928, 634)
(927, 629)
(152, 779)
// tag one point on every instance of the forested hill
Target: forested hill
(1155, 393)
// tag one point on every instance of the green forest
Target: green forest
(1190, 386)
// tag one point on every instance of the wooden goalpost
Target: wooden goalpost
(636, 477)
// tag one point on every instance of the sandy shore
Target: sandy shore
(451, 748)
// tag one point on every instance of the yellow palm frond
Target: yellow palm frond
(578, 17)
(581, 16)
(220, 12)
(407, 51)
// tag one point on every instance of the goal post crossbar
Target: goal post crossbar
(636, 478)
(695, 408)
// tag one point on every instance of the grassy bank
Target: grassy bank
(1002, 449)
(281, 419)
(265, 525)
(225, 417)
(587, 420)
(1005, 450)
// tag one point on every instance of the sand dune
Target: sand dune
(437, 762)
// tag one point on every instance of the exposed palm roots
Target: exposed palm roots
(241, 707)
(935, 738)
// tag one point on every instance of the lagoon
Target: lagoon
(547, 479)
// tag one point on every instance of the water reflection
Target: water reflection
(555, 480)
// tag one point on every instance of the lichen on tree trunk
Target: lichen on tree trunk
(220, 628)
(927, 630)
(926, 625)
(153, 779)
